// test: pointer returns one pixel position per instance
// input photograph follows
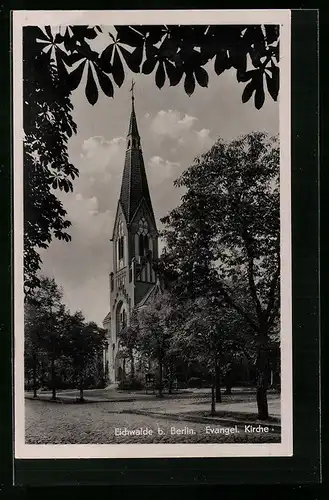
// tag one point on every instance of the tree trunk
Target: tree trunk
(81, 397)
(42, 374)
(218, 383)
(160, 378)
(35, 375)
(262, 383)
(228, 389)
(213, 397)
(228, 383)
(132, 365)
(53, 382)
(124, 370)
(171, 381)
(81, 383)
(170, 378)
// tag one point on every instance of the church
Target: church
(134, 248)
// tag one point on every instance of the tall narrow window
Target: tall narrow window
(141, 244)
(144, 248)
(146, 243)
(142, 237)
(120, 246)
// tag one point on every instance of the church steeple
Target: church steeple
(134, 186)
(134, 248)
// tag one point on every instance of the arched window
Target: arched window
(143, 226)
(121, 317)
(143, 241)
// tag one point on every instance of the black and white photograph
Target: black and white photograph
(152, 234)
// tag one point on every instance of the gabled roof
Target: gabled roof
(107, 318)
(151, 294)
(134, 185)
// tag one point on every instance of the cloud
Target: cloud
(171, 124)
(83, 262)
(160, 170)
(179, 127)
(100, 166)
(99, 153)
(93, 207)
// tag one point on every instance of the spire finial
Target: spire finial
(132, 90)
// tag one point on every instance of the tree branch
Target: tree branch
(239, 309)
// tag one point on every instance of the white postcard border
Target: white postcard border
(197, 17)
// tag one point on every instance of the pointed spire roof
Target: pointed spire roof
(134, 186)
(133, 129)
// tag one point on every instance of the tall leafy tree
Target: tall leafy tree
(129, 340)
(84, 346)
(48, 125)
(33, 324)
(47, 299)
(226, 234)
(155, 333)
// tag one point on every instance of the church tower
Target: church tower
(134, 248)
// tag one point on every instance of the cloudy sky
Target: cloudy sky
(174, 129)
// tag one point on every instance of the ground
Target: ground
(110, 417)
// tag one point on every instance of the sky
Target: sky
(174, 129)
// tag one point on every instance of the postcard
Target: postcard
(152, 234)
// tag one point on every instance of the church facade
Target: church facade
(134, 248)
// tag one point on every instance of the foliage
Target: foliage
(130, 385)
(194, 382)
(128, 341)
(62, 350)
(156, 323)
(48, 125)
(172, 53)
(129, 333)
(85, 345)
(226, 232)
(224, 238)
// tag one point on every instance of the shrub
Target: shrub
(130, 385)
(195, 382)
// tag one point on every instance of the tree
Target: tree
(47, 299)
(85, 343)
(175, 53)
(228, 224)
(201, 340)
(54, 65)
(48, 124)
(155, 333)
(128, 340)
(32, 334)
